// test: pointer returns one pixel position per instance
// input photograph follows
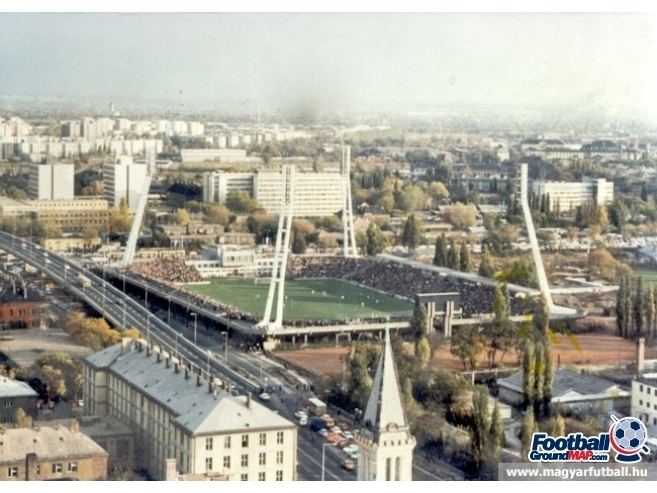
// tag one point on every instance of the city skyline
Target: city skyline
(288, 62)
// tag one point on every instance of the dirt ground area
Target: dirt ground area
(568, 349)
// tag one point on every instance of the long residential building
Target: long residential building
(567, 196)
(315, 194)
(185, 423)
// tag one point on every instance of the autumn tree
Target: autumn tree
(486, 268)
(412, 234)
(182, 216)
(440, 253)
(22, 419)
(465, 262)
(462, 215)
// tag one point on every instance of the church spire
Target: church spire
(384, 407)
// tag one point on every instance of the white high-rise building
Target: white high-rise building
(315, 194)
(51, 181)
(124, 179)
(567, 196)
(386, 444)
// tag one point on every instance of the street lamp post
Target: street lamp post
(169, 309)
(324, 445)
(226, 346)
(209, 356)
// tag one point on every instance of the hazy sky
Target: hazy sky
(334, 61)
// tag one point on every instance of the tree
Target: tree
(359, 380)
(298, 242)
(621, 308)
(466, 344)
(182, 216)
(240, 202)
(22, 419)
(465, 262)
(412, 234)
(541, 318)
(60, 375)
(548, 378)
(423, 352)
(480, 429)
(440, 254)
(486, 268)
(453, 257)
(539, 375)
(217, 214)
(638, 308)
(89, 232)
(526, 432)
(407, 395)
(528, 368)
(120, 218)
(558, 426)
(650, 311)
(496, 432)
(376, 240)
(462, 216)
(419, 322)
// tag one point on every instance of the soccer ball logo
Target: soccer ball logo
(628, 438)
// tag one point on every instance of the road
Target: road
(248, 372)
(123, 311)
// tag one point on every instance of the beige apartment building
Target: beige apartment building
(50, 453)
(184, 425)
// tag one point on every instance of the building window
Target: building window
(648, 390)
(245, 460)
(226, 442)
(208, 444)
(8, 403)
(262, 458)
(244, 477)
(279, 457)
(12, 472)
(262, 476)
(279, 475)
(226, 461)
(208, 463)
(72, 467)
(640, 402)
(263, 439)
(245, 440)
(56, 468)
(279, 437)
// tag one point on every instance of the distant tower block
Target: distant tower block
(385, 441)
(277, 284)
(349, 237)
(531, 233)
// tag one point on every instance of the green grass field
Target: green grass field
(649, 276)
(306, 299)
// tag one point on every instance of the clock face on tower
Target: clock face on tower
(391, 427)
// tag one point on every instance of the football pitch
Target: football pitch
(306, 299)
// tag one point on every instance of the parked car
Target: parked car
(333, 437)
(348, 435)
(354, 455)
(317, 424)
(300, 413)
(335, 429)
(348, 465)
(303, 421)
(350, 448)
(265, 396)
(323, 432)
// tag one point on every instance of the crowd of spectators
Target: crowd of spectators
(399, 280)
(167, 270)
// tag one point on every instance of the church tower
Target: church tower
(386, 445)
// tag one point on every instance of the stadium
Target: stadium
(323, 291)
